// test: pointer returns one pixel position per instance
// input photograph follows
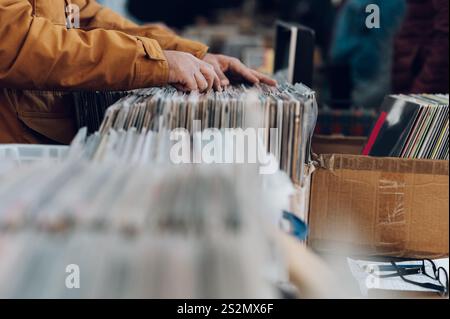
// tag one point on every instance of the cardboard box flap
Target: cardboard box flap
(333, 162)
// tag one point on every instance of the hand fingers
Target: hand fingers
(209, 71)
(222, 77)
(209, 74)
(202, 83)
(191, 83)
(240, 69)
(217, 84)
(264, 78)
(188, 86)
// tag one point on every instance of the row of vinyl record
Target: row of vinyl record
(285, 118)
(412, 126)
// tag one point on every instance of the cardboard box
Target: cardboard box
(338, 144)
(380, 206)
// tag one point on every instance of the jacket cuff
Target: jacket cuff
(152, 68)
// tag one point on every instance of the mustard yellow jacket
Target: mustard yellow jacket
(39, 54)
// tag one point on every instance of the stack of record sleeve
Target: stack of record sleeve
(412, 126)
(284, 117)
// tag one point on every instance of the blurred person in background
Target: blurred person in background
(421, 60)
(409, 53)
(364, 54)
(42, 47)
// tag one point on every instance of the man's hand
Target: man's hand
(187, 73)
(226, 65)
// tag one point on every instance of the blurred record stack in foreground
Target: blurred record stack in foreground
(136, 232)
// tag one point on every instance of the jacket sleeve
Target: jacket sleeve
(37, 54)
(434, 77)
(94, 16)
